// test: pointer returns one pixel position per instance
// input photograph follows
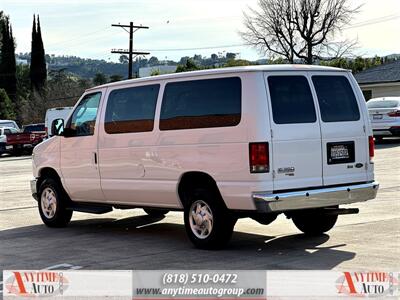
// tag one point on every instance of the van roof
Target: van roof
(272, 68)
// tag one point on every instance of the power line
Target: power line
(130, 52)
(374, 21)
(199, 48)
(356, 25)
(77, 37)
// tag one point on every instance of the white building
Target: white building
(161, 69)
(380, 81)
(21, 61)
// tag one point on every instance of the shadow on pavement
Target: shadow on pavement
(387, 143)
(142, 243)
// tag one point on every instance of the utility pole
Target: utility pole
(130, 52)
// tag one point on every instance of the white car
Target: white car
(9, 124)
(217, 144)
(4, 131)
(384, 114)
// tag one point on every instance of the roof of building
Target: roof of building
(385, 73)
(269, 68)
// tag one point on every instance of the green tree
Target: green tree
(230, 55)
(155, 72)
(153, 61)
(6, 106)
(8, 79)
(238, 63)
(115, 78)
(99, 79)
(188, 66)
(123, 59)
(38, 70)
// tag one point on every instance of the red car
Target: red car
(25, 141)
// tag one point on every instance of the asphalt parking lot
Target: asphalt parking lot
(129, 239)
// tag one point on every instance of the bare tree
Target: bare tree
(303, 29)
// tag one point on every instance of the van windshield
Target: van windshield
(383, 104)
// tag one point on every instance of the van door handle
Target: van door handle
(95, 157)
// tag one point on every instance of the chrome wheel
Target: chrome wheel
(201, 219)
(48, 202)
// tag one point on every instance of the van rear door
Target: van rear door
(344, 140)
(296, 137)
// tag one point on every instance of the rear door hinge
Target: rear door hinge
(272, 134)
(364, 128)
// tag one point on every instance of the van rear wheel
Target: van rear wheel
(209, 225)
(314, 222)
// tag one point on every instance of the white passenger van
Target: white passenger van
(217, 144)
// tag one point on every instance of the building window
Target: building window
(367, 94)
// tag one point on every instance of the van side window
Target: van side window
(291, 100)
(83, 119)
(336, 99)
(201, 104)
(131, 109)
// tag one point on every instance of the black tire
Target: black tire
(223, 221)
(16, 152)
(61, 216)
(314, 222)
(155, 212)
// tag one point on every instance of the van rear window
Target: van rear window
(336, 99)
(201, 104)
(291, 100)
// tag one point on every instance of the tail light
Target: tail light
(394, 113)
(259, 157)
(371, 145)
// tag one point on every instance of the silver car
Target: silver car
(384, 114)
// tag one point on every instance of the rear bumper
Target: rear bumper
(314, 198)
(391, 131)
(4, 147)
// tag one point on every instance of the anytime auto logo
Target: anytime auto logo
(35, 283)
(368, 283)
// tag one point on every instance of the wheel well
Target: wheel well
(47, 173)
(191, 180)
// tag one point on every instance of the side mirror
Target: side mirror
(57, 127)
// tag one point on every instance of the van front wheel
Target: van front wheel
(51, 202)
(208, 223)
(314, 222)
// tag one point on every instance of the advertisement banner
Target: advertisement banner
(200, 284)
(79, 284)
(332, 284)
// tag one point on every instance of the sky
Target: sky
(177, 27)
